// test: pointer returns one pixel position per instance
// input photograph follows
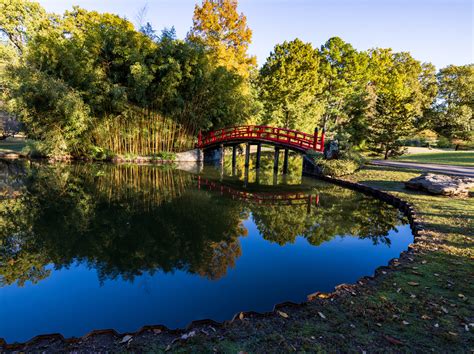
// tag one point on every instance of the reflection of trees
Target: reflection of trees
(128, 220)
(90, 214)
(340, 212)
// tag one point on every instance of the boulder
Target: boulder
(332, 150)
(441, 184)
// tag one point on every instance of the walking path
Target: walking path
(431, 167)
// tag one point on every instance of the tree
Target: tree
(221, 29)
(400, 93)
(19, 20)
(453, 112)
(288, 84)
(343, 72)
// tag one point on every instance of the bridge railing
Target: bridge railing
(282, 198)
(292, 138)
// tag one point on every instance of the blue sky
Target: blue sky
(438, 31)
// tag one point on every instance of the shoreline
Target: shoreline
(319, 299)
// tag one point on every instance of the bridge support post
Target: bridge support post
(246, 176)
(285, 162)
(222, 152)
(247, 155)
(275, 159)
(234, 160)
(259, 154)
(234, 155)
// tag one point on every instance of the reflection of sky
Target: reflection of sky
(73, 302)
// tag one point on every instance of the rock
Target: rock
(441, 184)
(332, 152)
(189, 156)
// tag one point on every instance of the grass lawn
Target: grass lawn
(12, 144)
(424, 305)
(459, 158)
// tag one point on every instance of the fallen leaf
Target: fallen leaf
(321, 315)
(426, 317)
(188, 335)
(126, 338)
(412, 283)
(393, 340)
(406, 323)
(444, 309)
(157, 331)
(436, 325)
(282, 314)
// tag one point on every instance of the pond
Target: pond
(94, 246)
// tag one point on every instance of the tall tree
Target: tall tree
(453, 112)
(401, 92)
(343, 71)
(288, 83)
(218, 25)
(19, 20)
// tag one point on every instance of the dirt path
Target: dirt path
(431, 167)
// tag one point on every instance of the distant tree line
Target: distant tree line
(91, 84)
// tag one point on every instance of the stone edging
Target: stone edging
(208, 325)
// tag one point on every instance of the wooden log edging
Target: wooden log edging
(209, 326)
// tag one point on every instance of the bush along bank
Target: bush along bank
(343, 163)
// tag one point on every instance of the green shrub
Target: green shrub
(347, 163)
(337, 168)
(35, 149)
(444, 142)
(164, 156)
(100, 154)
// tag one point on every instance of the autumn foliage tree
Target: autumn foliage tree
(219, 27)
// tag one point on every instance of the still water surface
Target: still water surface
(93, 246)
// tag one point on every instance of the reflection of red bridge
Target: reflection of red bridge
(264, 198)
(289, 139)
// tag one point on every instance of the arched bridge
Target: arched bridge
(281, 138)
(285, 138)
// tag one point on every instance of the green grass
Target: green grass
(459, 158)
(12, 145)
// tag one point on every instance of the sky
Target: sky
(436, 31)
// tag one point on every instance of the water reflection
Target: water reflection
(126, 220)
(130, 222)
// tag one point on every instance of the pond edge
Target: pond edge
(42, 341)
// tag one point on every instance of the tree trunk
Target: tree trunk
(386, 153)
(456, 148)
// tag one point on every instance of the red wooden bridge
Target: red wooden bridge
(256, 134)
